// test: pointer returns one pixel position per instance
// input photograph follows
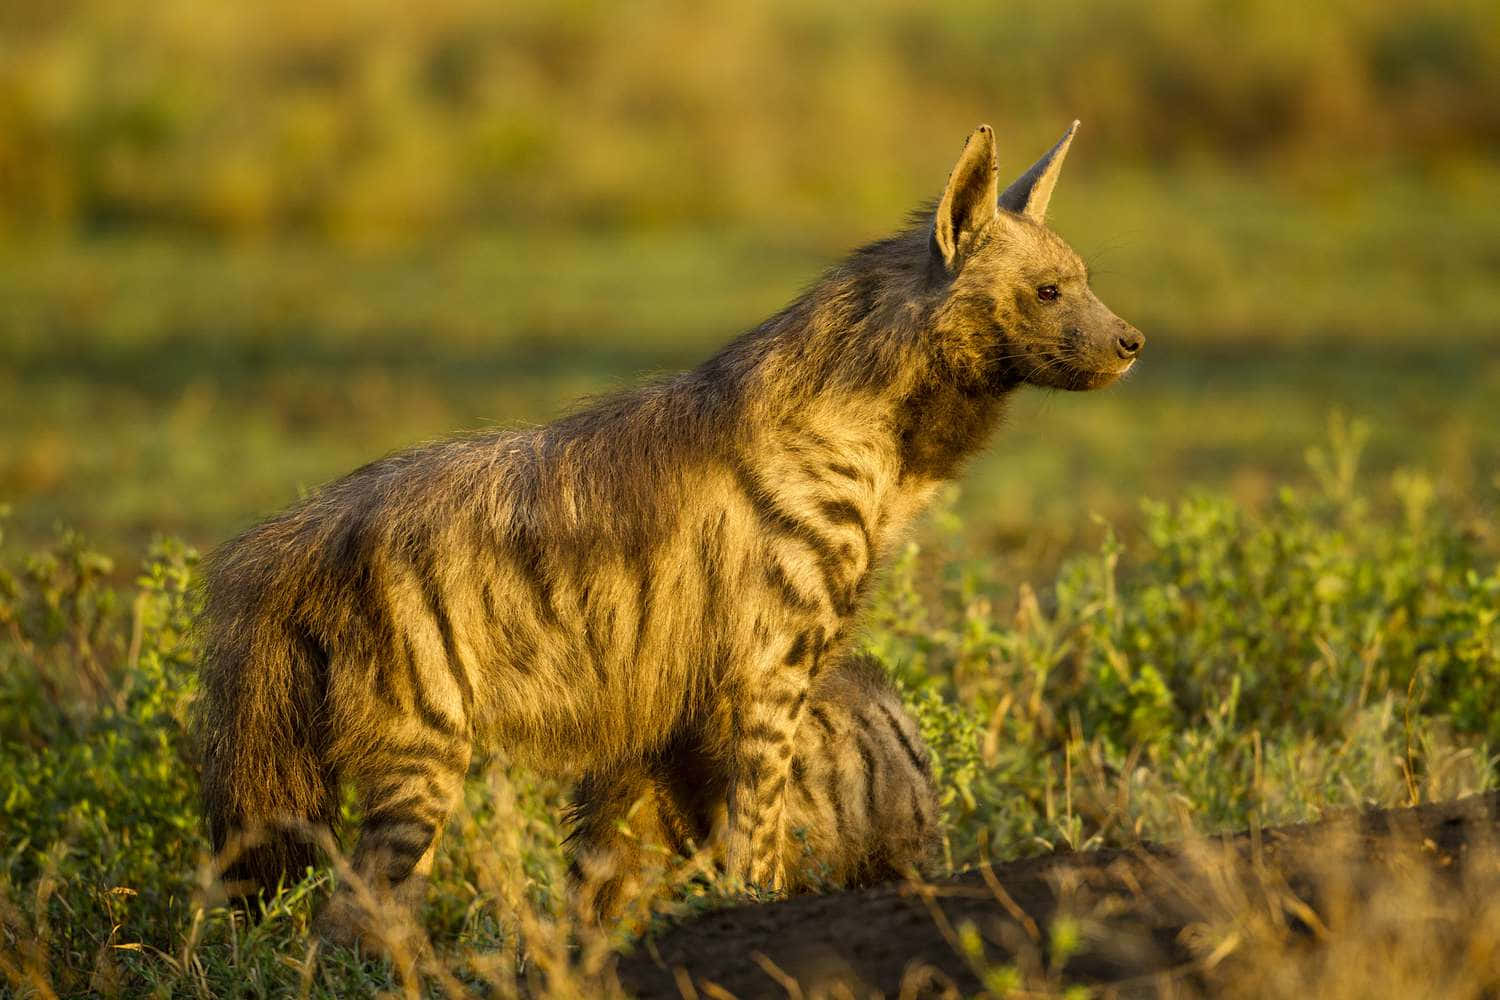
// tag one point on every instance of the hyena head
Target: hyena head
(1018, 307)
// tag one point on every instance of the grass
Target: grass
(154, 385)
(1339, 648)
(376, 120)
(1304, 618)
(234, 268)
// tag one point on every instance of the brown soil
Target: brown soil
(1185, 918)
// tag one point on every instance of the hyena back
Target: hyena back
(861, 805)
(674, 562)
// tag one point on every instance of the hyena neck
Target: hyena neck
(939, 426)
(852, 396)
(865, 357)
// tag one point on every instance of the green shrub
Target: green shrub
(1232, 666)
(1226, 666)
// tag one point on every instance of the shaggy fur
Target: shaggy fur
(675, 563)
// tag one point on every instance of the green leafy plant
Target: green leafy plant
(1222, 666)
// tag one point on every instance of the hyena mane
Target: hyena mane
(672, 563)
(861, 804)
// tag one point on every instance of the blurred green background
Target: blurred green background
(247, 247)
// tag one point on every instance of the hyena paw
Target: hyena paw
(342, 923)
(768, 879)
(389, 929)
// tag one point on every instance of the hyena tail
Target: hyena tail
(268, 789)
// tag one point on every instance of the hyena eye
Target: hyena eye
(1047, 293)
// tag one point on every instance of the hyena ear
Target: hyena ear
(1030, 192)
(969, 201)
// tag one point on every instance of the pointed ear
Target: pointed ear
(1030, 192)
(969, 200)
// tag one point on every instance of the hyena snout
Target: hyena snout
(1111, 344)
(1128, 341)
(1105, 348)
(1099, 349)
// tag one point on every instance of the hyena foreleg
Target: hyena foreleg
(764, 738)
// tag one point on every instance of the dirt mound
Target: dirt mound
(1380, 895)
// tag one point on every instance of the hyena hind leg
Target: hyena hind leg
(407, 793)
(634, 824)
(618, 831)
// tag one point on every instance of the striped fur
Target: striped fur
(676, 563)
(861, 805)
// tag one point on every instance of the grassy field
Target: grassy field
(245, 249)
(1287, 603)
(163, 386)
(1243, 669)
(371, 121)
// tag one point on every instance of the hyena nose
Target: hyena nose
(1130, 342)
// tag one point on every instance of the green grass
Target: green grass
(239, 266)
(1306, 620)
(151, 385)
(235, 267)
(1340, 649)
(372, 121)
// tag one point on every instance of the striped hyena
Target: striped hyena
(861, 805)
(676, 561)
